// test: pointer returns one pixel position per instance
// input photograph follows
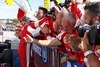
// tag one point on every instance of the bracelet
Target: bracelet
(88, 53)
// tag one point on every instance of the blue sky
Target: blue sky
(11, 12)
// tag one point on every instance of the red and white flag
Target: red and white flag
(24, 9)
(20, 14)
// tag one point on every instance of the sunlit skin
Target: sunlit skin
(18, 33)
(39, 14)
(87, 17)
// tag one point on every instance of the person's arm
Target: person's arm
(56, 26)
(58, 21)
(45, 30)
(92, 58)
(59, 16)
(85, 47)
(34, 32)
(52, 42)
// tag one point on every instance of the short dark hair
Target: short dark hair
(44, 9)
(93, 8)
(24, 18)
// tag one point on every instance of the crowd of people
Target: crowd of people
(62, 30)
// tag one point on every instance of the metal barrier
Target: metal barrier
(44, 56)
(68, 63)
(60, 55)
(50, 57)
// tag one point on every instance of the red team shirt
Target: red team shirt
(23, 45)
(60, 37)
(66, 48)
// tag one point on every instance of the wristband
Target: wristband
(88, 52)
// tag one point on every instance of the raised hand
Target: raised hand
(28, 38)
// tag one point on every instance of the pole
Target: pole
(20, 6)
(2, 36)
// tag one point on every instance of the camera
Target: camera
(60, 5)
(52, 11)
(94, 32)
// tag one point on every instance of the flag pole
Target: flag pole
(2, 36)
(20, 6)
(29, 4)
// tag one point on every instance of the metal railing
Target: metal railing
(47, 56)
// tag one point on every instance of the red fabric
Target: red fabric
(31, 59)
(97, 50)
(60, 37)
(75, 10)
(43, 20)
(80, 58)
(22, 46)
(68, 49)
(20, 14)
(32, 24)
(78, 55)
(49, 24)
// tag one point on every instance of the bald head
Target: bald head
(70, 17)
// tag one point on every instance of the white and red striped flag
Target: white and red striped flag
(24, 9)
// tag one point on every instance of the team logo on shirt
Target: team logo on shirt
(97, 47)
(65, 40)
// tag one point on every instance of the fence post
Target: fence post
(54, 54)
